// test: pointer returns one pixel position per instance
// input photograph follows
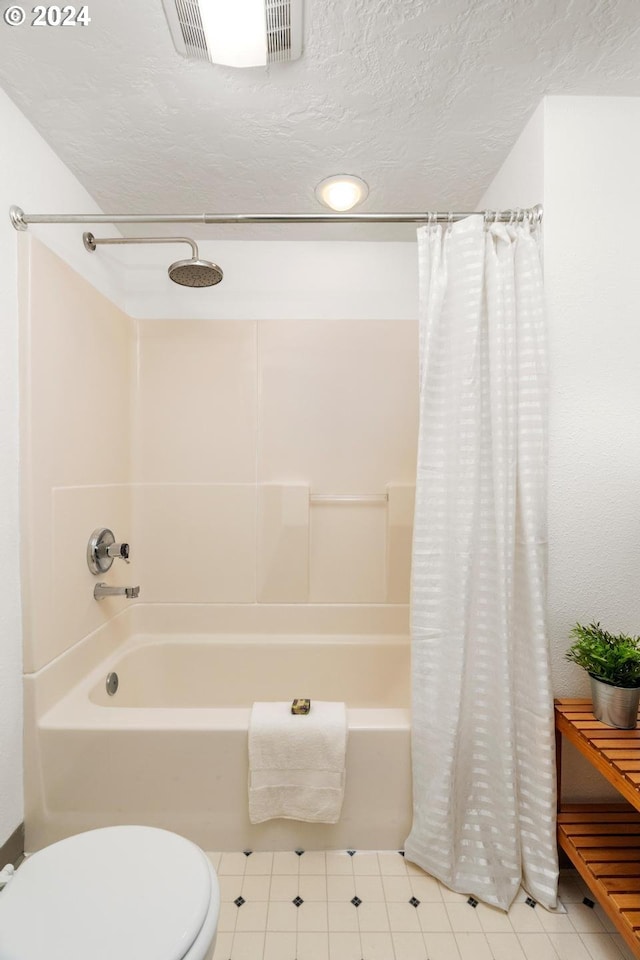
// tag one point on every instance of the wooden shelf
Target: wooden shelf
(603, 840)
(615, 753)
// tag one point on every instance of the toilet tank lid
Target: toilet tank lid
(131, 893)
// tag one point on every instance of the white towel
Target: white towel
(297, 763)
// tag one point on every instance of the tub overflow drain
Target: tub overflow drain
(112, 683)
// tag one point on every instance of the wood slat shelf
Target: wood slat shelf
(603, 840)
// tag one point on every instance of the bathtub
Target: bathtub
(169, 749)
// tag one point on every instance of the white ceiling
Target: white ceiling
(422, 98)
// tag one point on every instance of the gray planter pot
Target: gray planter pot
(615, 706)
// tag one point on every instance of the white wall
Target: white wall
(32, 176)
(520, 180)
(278, 280)
(592, 254)
(578, 156)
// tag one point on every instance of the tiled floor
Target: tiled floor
(363, 905)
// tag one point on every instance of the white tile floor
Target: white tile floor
(402, 914)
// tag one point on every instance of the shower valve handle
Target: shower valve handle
(102, 550)
(118, 550)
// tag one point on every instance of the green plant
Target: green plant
(612, 659)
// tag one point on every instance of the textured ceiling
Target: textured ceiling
(422, 98)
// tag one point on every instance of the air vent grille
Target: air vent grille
(282, 25)
(278, 14)
(193, 33)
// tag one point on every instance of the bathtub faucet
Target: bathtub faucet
(103, 590)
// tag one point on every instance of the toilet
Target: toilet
(118, 893)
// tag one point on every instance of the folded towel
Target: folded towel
(297, 763)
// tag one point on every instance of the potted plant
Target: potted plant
(613, 664)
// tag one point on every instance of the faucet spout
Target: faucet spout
(103, 590)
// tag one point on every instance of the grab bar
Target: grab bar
(364, 498)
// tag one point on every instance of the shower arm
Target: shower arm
(92, 242)
(533, 215)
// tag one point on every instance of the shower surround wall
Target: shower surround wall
(237, 423)
(200, 442)
(77, 353)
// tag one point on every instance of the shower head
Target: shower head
(188, 273)
(195, 273)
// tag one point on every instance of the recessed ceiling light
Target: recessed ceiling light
(236, 33)
(342, 192)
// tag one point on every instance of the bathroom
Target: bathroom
(255, 442)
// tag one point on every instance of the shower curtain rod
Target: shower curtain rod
(21, 220)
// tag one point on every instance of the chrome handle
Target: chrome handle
(117, 550)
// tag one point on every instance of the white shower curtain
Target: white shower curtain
(482, 720)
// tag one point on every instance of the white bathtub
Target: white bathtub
(170, 748)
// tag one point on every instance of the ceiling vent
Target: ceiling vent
(236, 33)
